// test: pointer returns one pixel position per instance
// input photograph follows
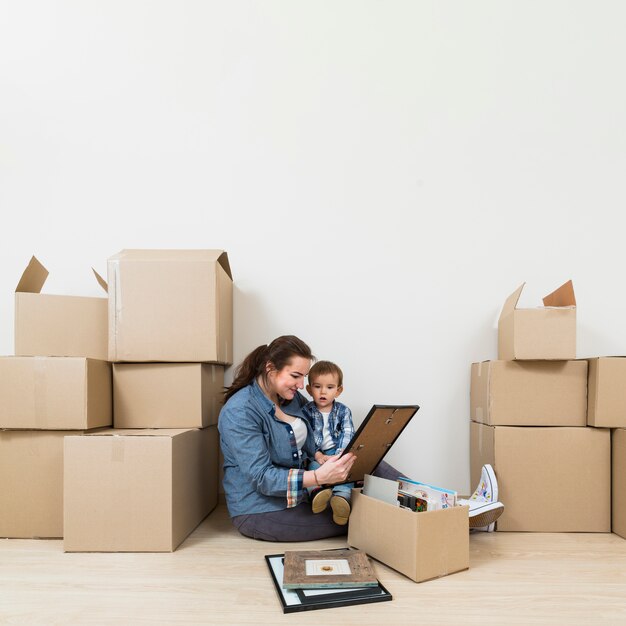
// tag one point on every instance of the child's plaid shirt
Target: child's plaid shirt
(339, 424)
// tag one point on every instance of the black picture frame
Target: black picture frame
(296, 600)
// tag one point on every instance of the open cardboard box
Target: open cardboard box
(55, 325)
(170, 306)
(547, 332)
(421, 546)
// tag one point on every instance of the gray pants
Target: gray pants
(299, 523)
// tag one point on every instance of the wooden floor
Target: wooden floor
(219, 577)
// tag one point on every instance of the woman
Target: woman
(267, 441)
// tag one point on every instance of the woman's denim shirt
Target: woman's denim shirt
(262, 469)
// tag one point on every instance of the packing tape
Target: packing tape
(213, 376)
(214, 407)
(117, 301)
(478, 413)
(40, 392)
(480, 369)
(117, 449)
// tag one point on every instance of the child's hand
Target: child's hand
(321, 458)
(336, 470)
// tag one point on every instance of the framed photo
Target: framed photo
(295, 600)
(307, 569)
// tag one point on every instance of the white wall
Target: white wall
(382, 174)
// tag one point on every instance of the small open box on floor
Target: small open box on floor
(421, 546)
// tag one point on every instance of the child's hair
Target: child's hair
(326, 367)
(279, 353)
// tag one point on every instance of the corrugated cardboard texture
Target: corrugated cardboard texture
(33, 278)
(482, 450)
(137, 490)
(194, 480)
(170, 305)
(55, 393)
(420, 545)
(49, 325)
(540, 333)
(31, 483)
(529, 393)
(607, 392)
(167, 395)
(550, 479)
(619, 483)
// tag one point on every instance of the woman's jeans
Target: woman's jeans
(299, 523)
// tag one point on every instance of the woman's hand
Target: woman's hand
(336, 469)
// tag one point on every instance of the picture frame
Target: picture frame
(297, 600)
(307, 569)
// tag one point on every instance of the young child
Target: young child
(333, 428)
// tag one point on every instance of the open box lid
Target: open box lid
(35, 275)
(561, 297)
(375, 436)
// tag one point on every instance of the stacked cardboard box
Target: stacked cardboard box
(607, 409)
(529, 420)
(58, 383)
(148, 482)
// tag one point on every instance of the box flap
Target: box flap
(101, 281)
(33, 278)
(563, 296)
(511, 302)
(222, 259)
(217, 256)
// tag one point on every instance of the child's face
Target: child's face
(324, 390)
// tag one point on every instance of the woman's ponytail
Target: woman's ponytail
(247, 371)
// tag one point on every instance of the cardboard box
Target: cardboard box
(170, 305)
(55, 393)
(549, 479)
(167, 395)
(607, 392)
(529, 393)
(547, 332)
(618, 508)
(51, 325)
(421, 546)
(31, 483)
(137, 490)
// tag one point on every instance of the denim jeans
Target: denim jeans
(343, 490)
(298, 523)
